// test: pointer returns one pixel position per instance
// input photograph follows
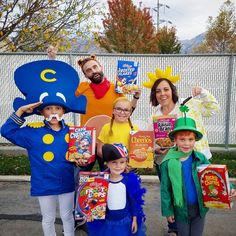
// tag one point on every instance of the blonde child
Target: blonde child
(118, 130)
(124, 214)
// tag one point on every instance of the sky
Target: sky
(188, 16)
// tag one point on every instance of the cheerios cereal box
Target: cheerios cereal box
(91, 196)
(126, 77)
(141, 151)
(214, 181)
(82, 142)
(162, 125)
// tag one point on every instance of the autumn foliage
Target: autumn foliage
(167, 41)
(127, 29)
(221, 32)
(31, 25)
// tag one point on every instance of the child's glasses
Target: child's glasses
(119, 110)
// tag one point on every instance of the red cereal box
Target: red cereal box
(91, 197)
(141, 152)
(214, 181)
(82, 142)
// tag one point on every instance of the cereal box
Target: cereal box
(214, 181)
(162, 125)
(91, 195)
(141, 152)
(82, 142)
(126, 78)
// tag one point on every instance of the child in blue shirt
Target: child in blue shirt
(52, 176)
(181, 195)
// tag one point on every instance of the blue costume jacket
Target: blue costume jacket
(51, 173)
(118, 222)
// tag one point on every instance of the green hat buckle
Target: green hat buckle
(185, 124)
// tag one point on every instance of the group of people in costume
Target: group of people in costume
(52, 88)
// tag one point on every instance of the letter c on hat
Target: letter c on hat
(42, 75)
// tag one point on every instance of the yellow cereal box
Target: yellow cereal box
(141, 152)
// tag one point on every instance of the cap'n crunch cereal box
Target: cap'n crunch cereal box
(82, 142)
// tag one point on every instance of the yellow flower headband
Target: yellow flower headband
(167, 74)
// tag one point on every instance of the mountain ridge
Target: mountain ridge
(89, 46)
(189, 44)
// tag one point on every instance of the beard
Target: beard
(97, 78)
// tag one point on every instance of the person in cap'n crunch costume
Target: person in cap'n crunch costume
(48, 88)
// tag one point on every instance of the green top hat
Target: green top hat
(185, 124)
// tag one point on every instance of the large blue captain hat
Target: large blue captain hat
(51, 82)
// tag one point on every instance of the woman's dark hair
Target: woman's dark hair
(153, 99)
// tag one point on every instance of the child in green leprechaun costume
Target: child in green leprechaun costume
(181, 196)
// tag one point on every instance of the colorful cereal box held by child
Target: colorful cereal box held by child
(82, 142)
(91, 197)
(126, 78)
(162, 126)
(214, 181)
(141, 149)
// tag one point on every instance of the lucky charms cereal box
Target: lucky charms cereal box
(214, 181)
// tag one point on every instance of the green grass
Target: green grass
(226, 158)
(14, 165)
(20, 165)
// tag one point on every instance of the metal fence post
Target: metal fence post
(228, 100)
(73, 114)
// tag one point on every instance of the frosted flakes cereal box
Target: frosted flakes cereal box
(126, 78)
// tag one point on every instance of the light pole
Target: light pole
(167, 22)
(157, 10)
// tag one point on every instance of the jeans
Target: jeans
(196, 223)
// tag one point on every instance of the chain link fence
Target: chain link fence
(215, 73)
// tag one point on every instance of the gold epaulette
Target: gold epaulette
(70, 125)
(36, 125)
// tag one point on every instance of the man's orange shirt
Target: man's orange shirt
(102, 106)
